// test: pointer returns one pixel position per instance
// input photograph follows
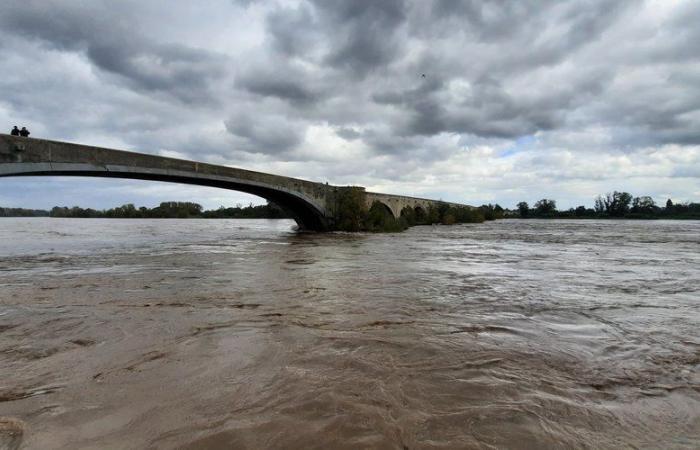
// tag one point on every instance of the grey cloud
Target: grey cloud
(358, 36)
(245, 3)
(112, 46)
(365, 32)
(348, 134)
(265, 134)
(406, 148)
(365, 38)
(172, 69)
(283, 82)
(683, 37)
(517, 34)
(488, 110)
(484, 20)
(292, 30)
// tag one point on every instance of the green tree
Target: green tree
(433, 215)
(669, 206)
(499, 212)
(643, 205)
(580, 211)
(351, 207)
(523, 209)
(599, 206)
(380, 218)
(488, 211)
(617, 204)
(409, 215)
(545, 207)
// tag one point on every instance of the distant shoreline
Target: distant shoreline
(146, 218)
(166, 210)
(606, 218)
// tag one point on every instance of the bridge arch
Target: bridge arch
(307, 215)
(383, 208)
(301, 199)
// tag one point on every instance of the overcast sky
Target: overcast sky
(520, 100)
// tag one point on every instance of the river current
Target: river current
(125, 334)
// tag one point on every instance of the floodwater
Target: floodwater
(243, 334)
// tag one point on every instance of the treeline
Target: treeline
(268, 211)
(353, 214)
(611, 205)
(22, 212)
(166, 210)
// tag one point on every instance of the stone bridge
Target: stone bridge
(313, 205)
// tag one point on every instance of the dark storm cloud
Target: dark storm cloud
(345, 40)
(357, 36)
(293, 31)
(348, 134)
(114, 47)
(486, 21)
(499, 41)
(487, 109)
(284, 83)
(683, 35)
(491, 108)
(269, 134)
(363, 33)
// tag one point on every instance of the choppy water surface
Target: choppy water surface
(243, 334)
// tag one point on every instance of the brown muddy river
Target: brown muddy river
(243, 334)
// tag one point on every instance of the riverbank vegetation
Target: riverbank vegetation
(166, 210)
(23, 212)
(613, 205)
(352, 213)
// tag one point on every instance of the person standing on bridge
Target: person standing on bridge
(24, 132)
(15, 131)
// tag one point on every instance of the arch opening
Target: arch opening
(414, 215)
(380, 217)
(421, 214)
(380, 209)
(307, 215)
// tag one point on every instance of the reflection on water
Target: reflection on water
(244, 334)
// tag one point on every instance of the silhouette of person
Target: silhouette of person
(24, 132)
(15, 131)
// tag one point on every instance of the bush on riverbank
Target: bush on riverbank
(351, 209)
(380, 219)
(353, 215)
(443, 213)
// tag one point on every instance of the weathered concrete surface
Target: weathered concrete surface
(311, 204)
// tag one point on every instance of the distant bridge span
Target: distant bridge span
(313, 205)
